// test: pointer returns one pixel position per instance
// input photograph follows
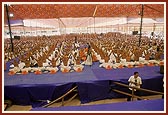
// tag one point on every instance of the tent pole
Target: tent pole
(94, 24)
(141, 24)
(23, 29)
(8, 18)
(153, 29)
(127, 26)
(36, 27)
(94, 13)
(118, 25)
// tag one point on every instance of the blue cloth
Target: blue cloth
(58, 78)
(33, 94)
(124, 73)
(92, 91)
(93, 83)
(143, 105)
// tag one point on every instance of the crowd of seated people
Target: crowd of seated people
(69, 53)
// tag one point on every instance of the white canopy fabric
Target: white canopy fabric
(82, 25)
(86, 22)
(45, 23)
(144, 20)
(83, 22)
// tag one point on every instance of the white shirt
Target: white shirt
(137, 80)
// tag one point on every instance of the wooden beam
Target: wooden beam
(94, 13)
(154, 9)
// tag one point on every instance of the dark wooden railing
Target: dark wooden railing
(133, 88)
(62, 97)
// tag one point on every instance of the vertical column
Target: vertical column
(8, 18)
(141, 24)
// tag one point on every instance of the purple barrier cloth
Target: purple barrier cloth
(35, 94)
(27, 89)
(46, 78)
(143, 105)
(145, 72)
(151, 77)
(93, 83)
(92, 91)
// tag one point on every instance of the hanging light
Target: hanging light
(139, 13)
(11, 15)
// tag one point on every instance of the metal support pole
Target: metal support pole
(132, 98)
(8, 18)
(94, 24)
(141, 24)
(153, 29)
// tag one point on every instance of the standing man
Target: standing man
(134, 81)
(88, 55)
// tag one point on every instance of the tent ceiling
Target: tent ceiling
(46, 11)
(79, 15)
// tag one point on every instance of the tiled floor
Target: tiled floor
(76, 102)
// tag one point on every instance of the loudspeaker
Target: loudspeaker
(17, 37)
(162, 69)
(134, 32)
(152, 33)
